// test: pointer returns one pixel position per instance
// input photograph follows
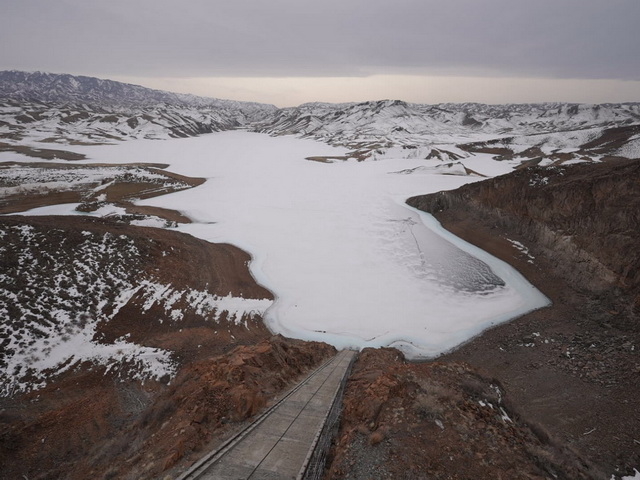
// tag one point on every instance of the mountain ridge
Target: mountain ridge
(30, 80)
(62, 108)
(63, 87)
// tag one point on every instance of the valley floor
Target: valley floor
(554, 393)
(315, 230)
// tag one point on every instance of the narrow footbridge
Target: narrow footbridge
(282, 443)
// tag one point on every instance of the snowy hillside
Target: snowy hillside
(65, 108)
(63, 88)
(62, 288)
(52, 108)
(28, 121)
(404, 123)
(54, 315)
(380, 129)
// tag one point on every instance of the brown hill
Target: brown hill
(567, 376)
(97, 420)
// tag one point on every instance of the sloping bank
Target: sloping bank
(573, 231)
(567, 377)
(126, 350)
(584, 218)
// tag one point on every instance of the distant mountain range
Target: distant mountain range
(64, 88)
(407, 123)
(62, 108)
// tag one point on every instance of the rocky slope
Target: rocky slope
(440, 421)
(585, 218)
(162, 331)
(53, 122)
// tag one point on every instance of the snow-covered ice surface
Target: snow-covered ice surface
(348, 261)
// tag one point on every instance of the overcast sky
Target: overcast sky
(291, 51)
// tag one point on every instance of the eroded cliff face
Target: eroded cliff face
(585, 218)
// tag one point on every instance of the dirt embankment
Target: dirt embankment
(97, 421)
(44, 153)
(573, 368)
(569, 375)
(585, 218)
(440, 420)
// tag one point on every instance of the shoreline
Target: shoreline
(561, 365)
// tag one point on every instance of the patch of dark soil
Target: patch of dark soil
(74, 117)
(164, 213)
(328, 159)
(27, 202)
(45, 153)
(440, 421)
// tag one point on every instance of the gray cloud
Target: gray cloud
(546, 38)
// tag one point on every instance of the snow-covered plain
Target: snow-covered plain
(350, 264)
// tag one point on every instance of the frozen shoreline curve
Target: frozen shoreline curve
(348, 262)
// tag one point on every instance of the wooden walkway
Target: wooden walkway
(279, 443)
